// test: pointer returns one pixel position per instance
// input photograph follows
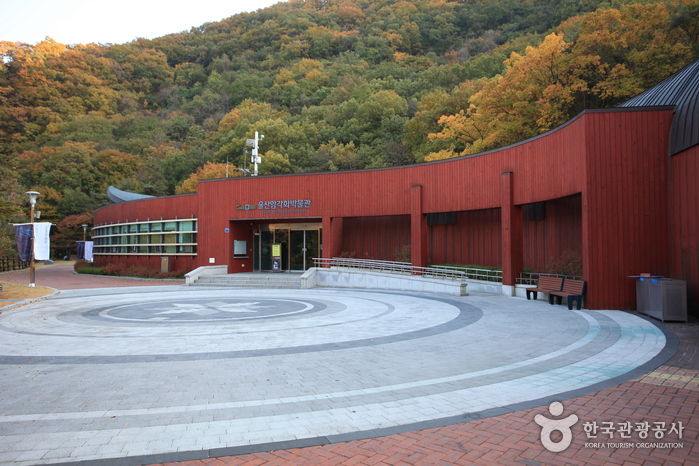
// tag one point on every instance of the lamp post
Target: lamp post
(84, 232)
(32, 202)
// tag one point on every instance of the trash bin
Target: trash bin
(662, 298)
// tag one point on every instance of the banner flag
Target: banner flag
(42, 241)
(23, 235)
(88, 251)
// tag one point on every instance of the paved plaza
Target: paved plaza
(153, 374)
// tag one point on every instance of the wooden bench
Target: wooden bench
(546, 284)
(573, 290)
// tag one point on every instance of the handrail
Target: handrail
(405, 268)
(531, 278)
(473, 273)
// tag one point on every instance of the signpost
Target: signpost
(277, 257)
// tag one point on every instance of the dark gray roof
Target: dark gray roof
(682, 91)
(118, 196)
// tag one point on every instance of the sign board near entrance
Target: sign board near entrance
(297, 204)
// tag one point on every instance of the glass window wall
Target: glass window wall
(175, 237)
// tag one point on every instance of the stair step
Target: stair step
(247, 281)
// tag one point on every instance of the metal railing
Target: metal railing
(531, 278)
(405, 268)
(473, 273)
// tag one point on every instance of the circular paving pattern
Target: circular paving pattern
(119, 373)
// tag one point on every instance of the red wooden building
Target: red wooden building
(616, 186)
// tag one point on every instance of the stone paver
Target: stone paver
(154, 374)
(669, 394)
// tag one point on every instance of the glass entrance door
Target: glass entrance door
(300, 244)
(305, 245)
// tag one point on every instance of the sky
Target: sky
(114, 22)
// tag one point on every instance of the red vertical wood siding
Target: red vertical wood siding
(473, 240)
(377, 238)
(558, 232)
(625, 202)
(604, 176)
(512, 235)
(684, 221)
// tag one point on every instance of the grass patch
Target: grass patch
(19, 292)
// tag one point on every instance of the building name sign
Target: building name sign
(293, 205)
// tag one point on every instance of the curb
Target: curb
(130, 278)
(29, 301)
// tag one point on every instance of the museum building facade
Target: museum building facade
(617, 187)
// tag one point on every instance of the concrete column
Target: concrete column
(512, 235)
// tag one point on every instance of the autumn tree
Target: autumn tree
(210, 171)
(68, 232)
(609, 56)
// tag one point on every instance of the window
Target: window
(441, 218)
(188, 226)
(536, 211)
(136, 238)
(240, 248)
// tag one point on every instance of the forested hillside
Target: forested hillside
(332, 84)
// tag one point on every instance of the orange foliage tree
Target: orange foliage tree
(596, 60)
(210, 171)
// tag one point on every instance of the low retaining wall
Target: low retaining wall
(192, 276)
(363, 279)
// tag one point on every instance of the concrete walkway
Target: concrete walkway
(153, 375)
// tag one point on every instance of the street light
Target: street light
(84, 231)
(32, 202)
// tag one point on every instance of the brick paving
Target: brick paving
(669, 394)
(61, 277)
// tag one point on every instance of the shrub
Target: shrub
(114, 269)
(80, 264)
(569, 263)
(90, 270)
(403, 254)
(140, 271)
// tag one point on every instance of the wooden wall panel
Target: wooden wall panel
(184, 206)
(375, 238)
(625, 221)
(560, 231)
(614, 161)
(683, 178)
(473, 240)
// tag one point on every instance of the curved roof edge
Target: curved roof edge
(117, 196)
(682, 91)
(460, 157)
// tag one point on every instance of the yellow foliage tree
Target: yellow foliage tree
(596, 60)
(210, 171)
